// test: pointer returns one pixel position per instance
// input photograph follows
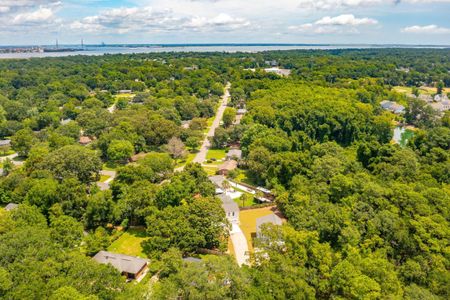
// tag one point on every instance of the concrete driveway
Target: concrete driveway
(239, 244)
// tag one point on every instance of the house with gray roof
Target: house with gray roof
(234, 154)
(130, 266)
(230, 207)
(5, 143)
(269, 219)
(11, 206)
(392, 106)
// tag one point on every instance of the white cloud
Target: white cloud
(147, 19)
(428, 29)
(346, 20)
(342, 24)
(40, 15)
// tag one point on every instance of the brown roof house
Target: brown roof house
(85, 140)
(130, 266)
(227, 166)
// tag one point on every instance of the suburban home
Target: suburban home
(426, 98)
(241, 111)
(227, 166)
(441, 106)
(272, 63)
(278, 71)
(125, 91)
(11, 206)
(218, 181)
(130, 266)
(85, 140)
(230, 207)
(269, 219)
(65, 121)
(440, 97)
(234, 154)
(393, 107)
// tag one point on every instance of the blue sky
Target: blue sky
(24, 22)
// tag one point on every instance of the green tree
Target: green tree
(74, 162)
(228, 116)
(22, 141)
(120, 150)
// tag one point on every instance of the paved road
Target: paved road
(201, 155)
(240, 245)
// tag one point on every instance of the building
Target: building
(278, 71)
(441, 106)
(231, 208)
(130, 266)
(234, 154)
(5, 143)
(272, 63)
(425, 98)
(269, 219)
(393, 107)
(85, 140)
(440, 97)
(125, 91)
(11, 206)
(227, 166)
(241, 111)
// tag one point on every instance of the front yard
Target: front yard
(247, 220)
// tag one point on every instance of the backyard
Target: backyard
(129, 242)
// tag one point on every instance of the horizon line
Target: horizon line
(230, 44)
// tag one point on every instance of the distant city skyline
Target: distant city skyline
(39, 22)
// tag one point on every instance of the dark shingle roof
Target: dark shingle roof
(123, 263)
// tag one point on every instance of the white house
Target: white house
(230, 207)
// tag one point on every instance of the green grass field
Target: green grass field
(423, 90)
(216, 154)
(247, 220)
(129, 243)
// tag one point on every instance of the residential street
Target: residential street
(201, 155)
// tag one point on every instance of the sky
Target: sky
(41, 22)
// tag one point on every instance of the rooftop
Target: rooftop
(123, 263)
(272, 219)
(11, 206)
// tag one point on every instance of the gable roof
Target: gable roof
(228, 204)
(228, 165)
(217, 180)
(11, 206)
(272, 219)
(234, 153)
(5, 142)
(122, 262)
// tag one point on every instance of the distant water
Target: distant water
(229, 48)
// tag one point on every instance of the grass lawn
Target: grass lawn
(124, 95)
(423, 90)
(6, 153)
(406, 136)
(188, 159)
(103, 178)
(110, 166)
(248, 202)
(211, 171)
(248, 222)
(129, 243)
(244, 177)
(216, 153)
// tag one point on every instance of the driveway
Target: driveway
(239, 244)
(201, 155)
